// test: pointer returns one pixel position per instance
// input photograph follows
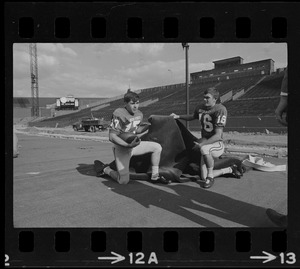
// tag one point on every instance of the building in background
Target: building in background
(233, 68)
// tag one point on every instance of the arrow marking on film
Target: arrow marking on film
(116, 258)
(268, 258)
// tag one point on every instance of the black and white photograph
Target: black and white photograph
(150, 135)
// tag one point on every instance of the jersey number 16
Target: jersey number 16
(221, 119)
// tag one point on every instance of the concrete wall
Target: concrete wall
(44, 112)
(21, 112)
(238, 94)
(248, 124)
(226, 97)
(148, 102)
(254, 124)
(99, 107)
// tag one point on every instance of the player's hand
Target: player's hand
(134, 143)
(280, 117)
(175, 116)
(197, 146)
(281, 110)
(282, 121)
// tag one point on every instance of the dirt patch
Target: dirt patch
(253, 139)
(270, 144)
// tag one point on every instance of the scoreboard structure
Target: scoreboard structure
(67, 103)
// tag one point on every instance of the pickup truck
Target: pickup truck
(91, 124)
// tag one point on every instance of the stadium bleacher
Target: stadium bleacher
(258, 96)
(248, 107)
(260, 100)
(237, 84)
(269, 87)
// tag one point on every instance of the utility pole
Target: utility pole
(34, 80)
(186, 47)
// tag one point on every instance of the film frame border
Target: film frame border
(116, 17)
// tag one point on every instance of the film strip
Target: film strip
(205, 246)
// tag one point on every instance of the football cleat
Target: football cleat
(208, 182)
(99, 167)
(237, 171)
(160, 179)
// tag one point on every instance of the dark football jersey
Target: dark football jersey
(123, 121)
(210, 119)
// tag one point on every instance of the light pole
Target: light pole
(186, 47)
(129, 86)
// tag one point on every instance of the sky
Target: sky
(103, 70)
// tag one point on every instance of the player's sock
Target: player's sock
(107, 170)
(227, 170)
(210, 172)
(155, 174)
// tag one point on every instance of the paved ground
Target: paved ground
(55, 186)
